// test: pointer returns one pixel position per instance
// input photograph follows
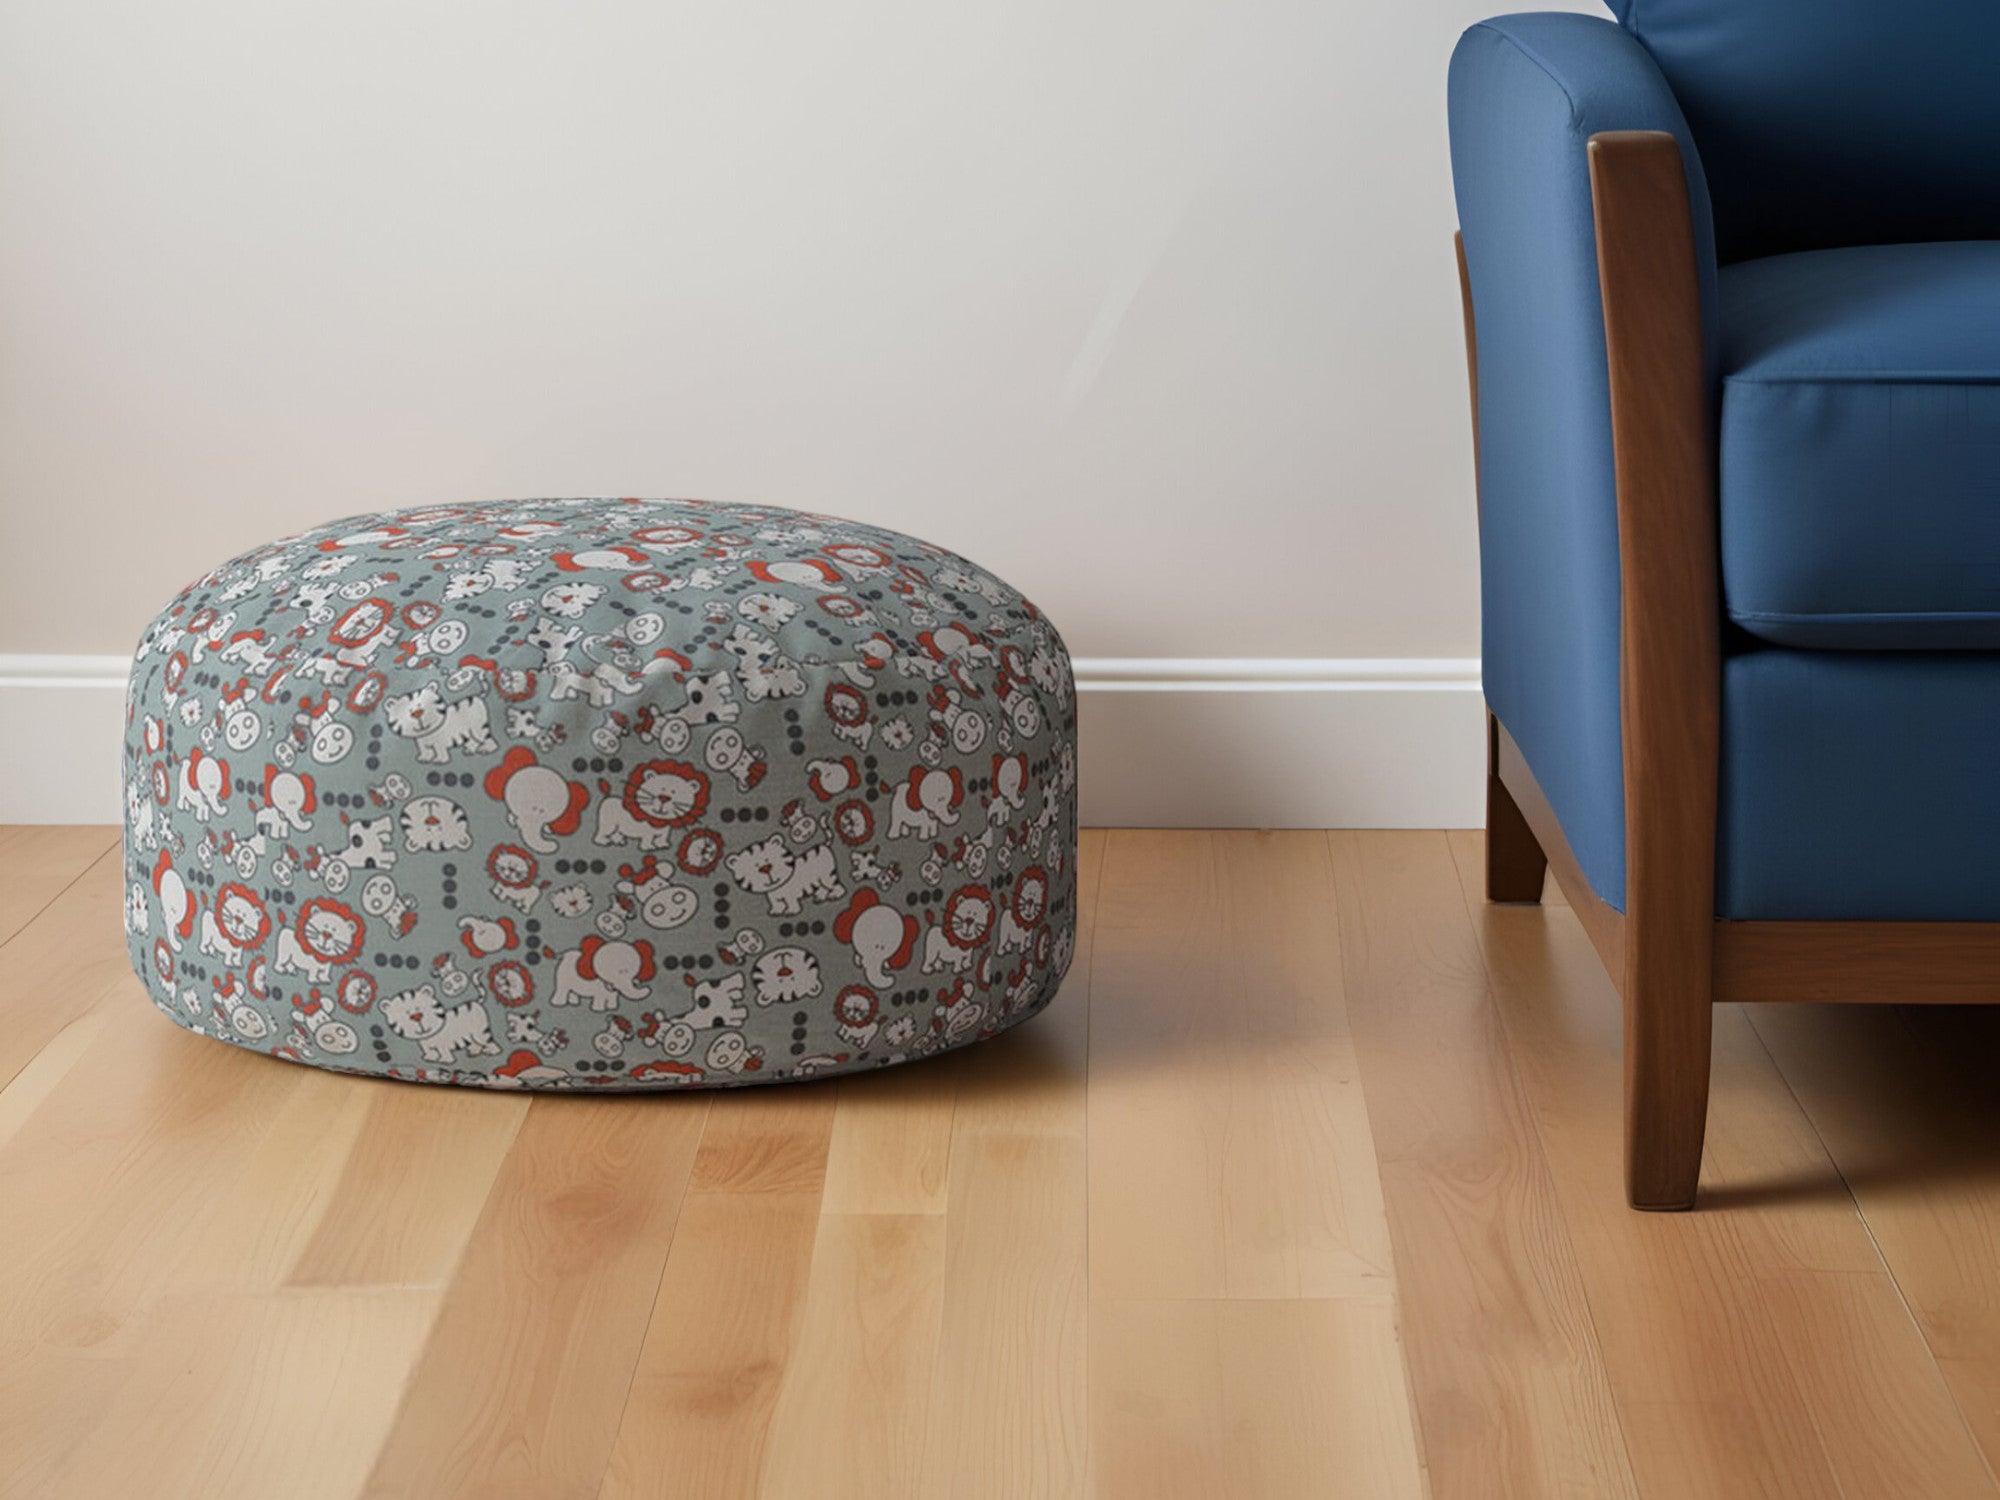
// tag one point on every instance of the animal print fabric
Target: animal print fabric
(600, 794)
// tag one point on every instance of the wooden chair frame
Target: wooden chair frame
(1671, 959)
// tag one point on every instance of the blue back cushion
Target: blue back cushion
(1836, 122)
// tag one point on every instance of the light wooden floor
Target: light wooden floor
(1307, 1186)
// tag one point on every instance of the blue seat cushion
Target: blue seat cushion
(1860, 447)
(1859, 786)
(1836, 122)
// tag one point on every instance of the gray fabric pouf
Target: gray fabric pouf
(600, 794)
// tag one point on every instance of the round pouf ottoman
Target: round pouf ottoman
(615, 794)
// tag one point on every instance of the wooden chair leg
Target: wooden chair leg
(1515, 864)
(1666, 1089)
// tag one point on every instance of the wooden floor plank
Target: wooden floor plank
(39, 862)
(1907, 1100)
(1262, 1399)
(849, 1421)
(697, 1419)
(1508, 1381)
(108, 1185)
(43, 1072)
(70, 957)
(1311, 1174)
(1008, 1412)
(412, 1186)
(105, 1191)
(263, 1215)
(1230, 1150)
(520, 1384)
(255, 1396)
(1757, 1344)
(766, 1141)
(892, 1139)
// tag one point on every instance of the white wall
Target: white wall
(1148, 306)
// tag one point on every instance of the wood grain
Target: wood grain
(1008, 1410)
(1924, 963)
(1220, 1066)
(1399, 1260)
(62, 964)
(1929, 963)
(1235, 1205)
(104, 1189)
(519, 1387)
(1262, 1399)
(249, 1396)
(1670, 651)
(411, 1188)
(255, 1227)
(891, 1143)
(850, 1419)
(1759, 1345)
(698, 1418)
(766, 1141)
(47, 1069)
(1008, 1403)
(38, 863)
(1508, 1380)
(1909, 1108)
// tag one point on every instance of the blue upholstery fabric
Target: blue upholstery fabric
(1526, 94)
(1860, 446)
(1860, 786)
(1836, 122)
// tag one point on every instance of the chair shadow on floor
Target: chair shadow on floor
(1906, 1099)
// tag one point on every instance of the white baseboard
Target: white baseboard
(62, 723)
(1219, 742)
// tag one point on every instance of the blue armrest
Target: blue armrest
(1527, 93)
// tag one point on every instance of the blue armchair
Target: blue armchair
(1732, 284)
